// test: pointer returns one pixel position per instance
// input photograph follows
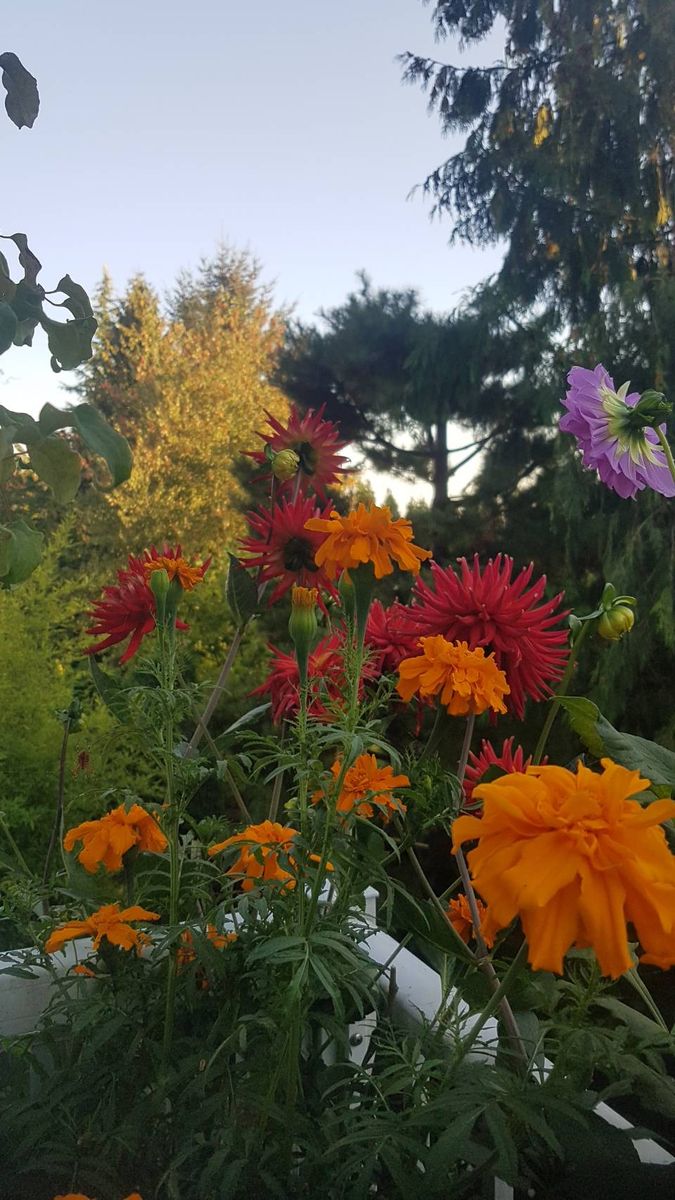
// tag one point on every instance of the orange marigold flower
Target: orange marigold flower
(468, 681)
(577, 859)
(366, 536)
(175, 566)
(107, 840)
(258, 861)
(108, 922)
(186, 951)
(364, 785)
(462, 921)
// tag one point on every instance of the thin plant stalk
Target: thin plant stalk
(57, 827)
(665, 446)
(562, 691)
(218, 689)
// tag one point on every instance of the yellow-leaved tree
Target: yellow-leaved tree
(189, 385)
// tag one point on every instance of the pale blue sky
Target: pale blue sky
(278, 127)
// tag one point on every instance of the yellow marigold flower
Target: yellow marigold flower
(107, 840)
(108, 922)
(462, 921)
(366, 536)
(366, 785)
(258, 861)
(468, 681)
(577, 859)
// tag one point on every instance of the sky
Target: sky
(281, 128)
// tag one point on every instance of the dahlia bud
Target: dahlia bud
(615, 622)
(285, 465)
(303, 625)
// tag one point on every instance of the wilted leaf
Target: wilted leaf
(69, 341)
(23, 100)
(241, 593)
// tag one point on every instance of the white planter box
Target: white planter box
(23, 1001)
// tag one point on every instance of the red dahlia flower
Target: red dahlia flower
(315, 441)
(387, 636)
(127, 608)
(487, 608)
(508, 759)
(325, 677)
(283, 549)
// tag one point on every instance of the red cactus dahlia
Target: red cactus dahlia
(508, 760)
(325, 674)
(387, 636)
(487, 608)
(127, 608)
(283, 549)
(315, 441)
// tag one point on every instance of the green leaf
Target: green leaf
(7, 326)
(241, 592)
(114, 694)
(101, 439)
(77, 302)
(24, 428)
(57, 465)
(23, 99)
(635, 753)
(583, 715)
(20, 552)
(69, 341)
(31, 265)
(245, 719)
(638, 754)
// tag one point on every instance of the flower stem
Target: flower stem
(562, 691)
(57, 828)
(218, 689)
(483, 960)
(665, 446)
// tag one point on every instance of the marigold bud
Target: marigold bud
(303, 625)
(285, 464)
(616, 622)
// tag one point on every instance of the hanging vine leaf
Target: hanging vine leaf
(20, 552)
(23, 99)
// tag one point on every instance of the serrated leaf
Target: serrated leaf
(23, 99)
(241, 592)
(57, 465)
(20, 552)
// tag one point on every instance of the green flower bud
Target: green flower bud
(160, 585)
(617, 621)
(285, 465)
(303, 625)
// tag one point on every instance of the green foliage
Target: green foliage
(21, 310)
(22, 101)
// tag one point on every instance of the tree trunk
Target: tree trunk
(441, 474)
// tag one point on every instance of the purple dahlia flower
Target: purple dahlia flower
(626, 456)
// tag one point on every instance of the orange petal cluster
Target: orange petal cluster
(577, 860)
(468, 681)
(462, 921)
(261, 847)
(106, 840)
(366, 788)
(177, 568)
(186, 951)
(367, 535)
(109, 922)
